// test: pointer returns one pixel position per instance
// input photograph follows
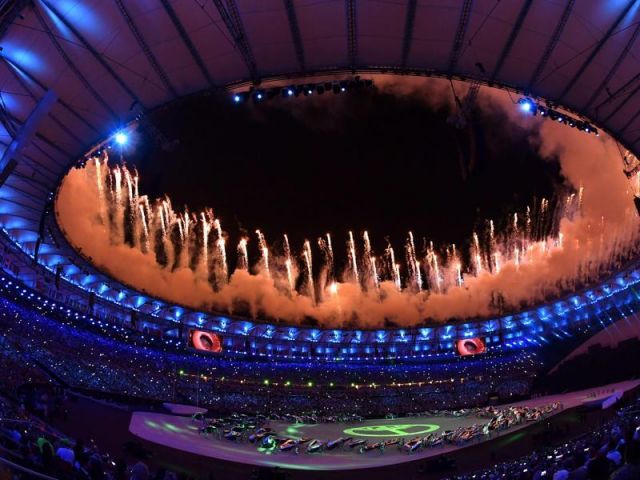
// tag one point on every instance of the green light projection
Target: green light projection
(392, 430)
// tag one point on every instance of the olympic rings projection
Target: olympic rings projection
(392, 430)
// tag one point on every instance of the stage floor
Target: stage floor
(181, 433)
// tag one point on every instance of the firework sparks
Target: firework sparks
(197, 241)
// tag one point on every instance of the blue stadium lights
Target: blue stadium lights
(238, 97)
(121, 138)
(290, 91)
(529, 106)
(257, 95)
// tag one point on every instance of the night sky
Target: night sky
(361, 160)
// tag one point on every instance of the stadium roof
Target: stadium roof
(107, 58)
(111, 60)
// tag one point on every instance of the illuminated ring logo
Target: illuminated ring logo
(206, 341)
(392, 430)
(471, 346)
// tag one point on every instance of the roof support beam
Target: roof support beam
(22, 179)
(621, 104)
(145, 48)
(408, 32)
(551, 46)
(46, 184)
(10, 13)
(352, 34)
(22, 217)
(620, 91)
(26, 133)
(72, 66)
(98, 57)
(295, 33)
(18, 178)
(596, 50)
(231, 18)
(19, 204)
(615, 67)
(33, 96)
(5, 120)
(36, 199)
(629, 123)
(46, 141)
(22, 72)
(461, 31)
(24, 229)
(50, 177)
(186, 39)
(36, 165)
(511, 39)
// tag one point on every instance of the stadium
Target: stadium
(319, 239)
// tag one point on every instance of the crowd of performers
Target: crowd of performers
(257, 430)
(610, 452)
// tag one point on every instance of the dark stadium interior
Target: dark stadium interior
(302, 239)
(309, 166)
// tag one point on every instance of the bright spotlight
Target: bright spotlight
(290, 92)
(236, 98)
(121, 138)
(527, 105)
(259, 96)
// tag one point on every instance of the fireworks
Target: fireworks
(327, 250)
(264, 250)
(306, 254)
(394, 268)
(288, 263)
(370, 271)
(197, 241)
(243, 255)
(353, 258)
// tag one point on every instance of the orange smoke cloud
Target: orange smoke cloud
(605, 230)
